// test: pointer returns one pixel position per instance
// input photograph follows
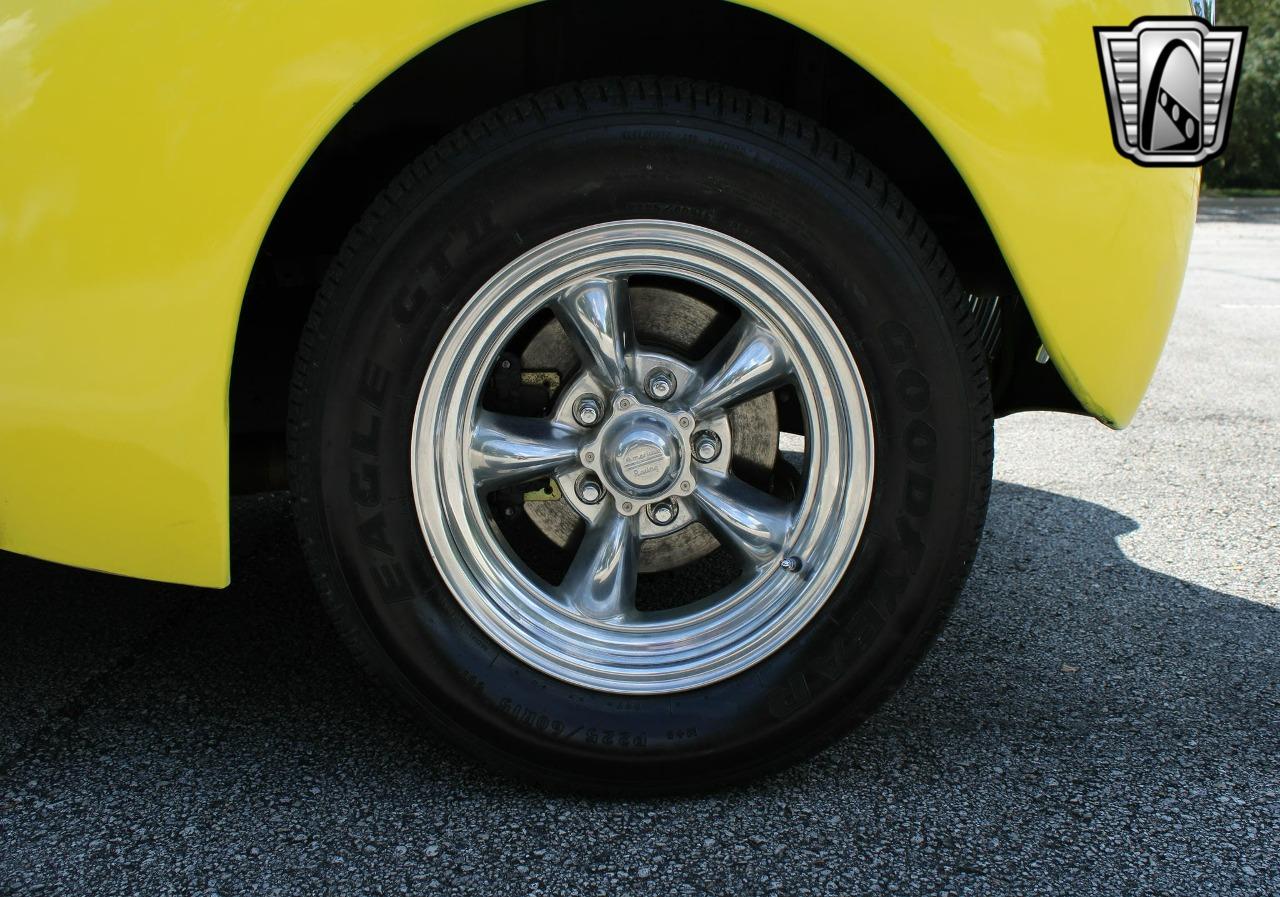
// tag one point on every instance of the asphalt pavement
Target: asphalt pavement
(1101, 717)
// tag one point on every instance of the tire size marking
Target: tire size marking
(555, 728)
(365, 480)
(920, 444)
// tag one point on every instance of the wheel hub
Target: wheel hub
(665, 314)
(640, 452)
(644, 458)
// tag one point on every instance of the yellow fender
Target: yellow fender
(148, 145)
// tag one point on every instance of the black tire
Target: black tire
(579, 155)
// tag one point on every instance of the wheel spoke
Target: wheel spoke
(754, 522)
(596, 314)
(507, 449)
(601, 582)
(748, 361)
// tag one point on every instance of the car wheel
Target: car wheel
(640, 436)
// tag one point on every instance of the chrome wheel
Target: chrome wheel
(638, 445)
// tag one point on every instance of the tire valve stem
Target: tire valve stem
(792, 564)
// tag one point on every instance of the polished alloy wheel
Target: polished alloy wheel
(638, 443)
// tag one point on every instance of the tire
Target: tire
(703, 161)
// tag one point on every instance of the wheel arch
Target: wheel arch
(537, 46)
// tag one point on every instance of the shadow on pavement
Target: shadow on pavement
(1240, 209)
(1052, 600)
(1074, 693)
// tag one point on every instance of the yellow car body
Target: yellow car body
(147, 146)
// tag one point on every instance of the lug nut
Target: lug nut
(587, 411)
(663, 512)
(590, 490)
(706, 446)
(661, 385)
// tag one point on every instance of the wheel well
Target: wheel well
(547, 43)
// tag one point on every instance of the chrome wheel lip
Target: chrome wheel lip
(722, 634)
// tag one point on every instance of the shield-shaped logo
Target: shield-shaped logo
(1169, 85)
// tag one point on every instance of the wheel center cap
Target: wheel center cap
(642, 459)
(644, 455)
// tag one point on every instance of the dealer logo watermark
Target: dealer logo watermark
(1170, 83)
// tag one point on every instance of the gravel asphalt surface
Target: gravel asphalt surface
(1101, 717)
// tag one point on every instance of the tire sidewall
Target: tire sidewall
(426, 248)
